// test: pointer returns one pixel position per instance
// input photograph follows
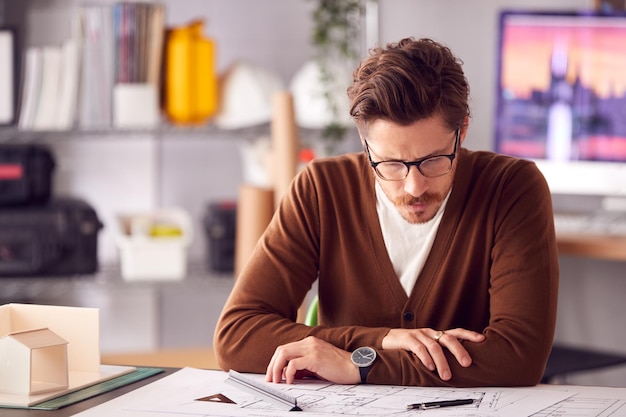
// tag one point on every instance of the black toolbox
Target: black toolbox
(25, 173)
(59, 237)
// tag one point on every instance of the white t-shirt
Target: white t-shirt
(408, 244)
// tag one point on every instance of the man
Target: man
(436, 265)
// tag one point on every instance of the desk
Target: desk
(606, 247)
(178, 394)
(70, 410)
(197, 357)
(603, 248)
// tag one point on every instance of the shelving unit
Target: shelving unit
(136, 169)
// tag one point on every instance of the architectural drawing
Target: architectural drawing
(185, 392)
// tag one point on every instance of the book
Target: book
(7, 77)
(156, 39)
(45, 115)
(30, 88)
(139, 31)
(97, 63)
(69, 84)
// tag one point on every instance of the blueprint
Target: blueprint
(587, 402)
(193, 392)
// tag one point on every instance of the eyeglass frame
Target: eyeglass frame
(418, 163)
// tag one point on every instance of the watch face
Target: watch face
(363, 356)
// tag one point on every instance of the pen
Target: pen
(439, 404)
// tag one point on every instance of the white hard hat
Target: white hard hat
(311, 108)
(246, 99)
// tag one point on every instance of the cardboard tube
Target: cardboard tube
(285, 143)
(254, 212)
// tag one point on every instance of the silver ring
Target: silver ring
(438, 335)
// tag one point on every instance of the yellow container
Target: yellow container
(190, 75)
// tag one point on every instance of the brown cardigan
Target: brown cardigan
(493, 268)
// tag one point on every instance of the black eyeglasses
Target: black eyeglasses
(430, 167)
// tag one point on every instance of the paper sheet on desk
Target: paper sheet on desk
(586, 402)
(177, 394)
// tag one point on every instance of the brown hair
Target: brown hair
(409, 81)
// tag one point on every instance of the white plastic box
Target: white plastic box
(135, 106)
(144, 256)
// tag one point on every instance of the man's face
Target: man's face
(417, 198)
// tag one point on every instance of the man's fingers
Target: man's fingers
(435, 350)
(423, 354)
(428, 344)
(456, 348)
(311, 356)
(277, 364)
(465, 334)
(293, 368)
(430, 352)
(451, 340)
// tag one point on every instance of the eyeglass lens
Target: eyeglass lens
(432, 167)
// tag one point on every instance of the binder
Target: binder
(7, 76)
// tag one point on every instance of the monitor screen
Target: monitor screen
(561, 97)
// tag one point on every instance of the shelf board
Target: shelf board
(108, 277)
(12, 134)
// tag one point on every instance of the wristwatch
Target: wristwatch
(364, 358)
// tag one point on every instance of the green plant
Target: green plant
(336, 38)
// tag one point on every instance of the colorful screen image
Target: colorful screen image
(562, 86)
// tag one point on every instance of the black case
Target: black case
(57, 238)
(25, 174)
(219, 222)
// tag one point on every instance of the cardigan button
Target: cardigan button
(409, 316)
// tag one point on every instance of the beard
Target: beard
(433, 202)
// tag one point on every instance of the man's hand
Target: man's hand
(425, 344)
(314, 356)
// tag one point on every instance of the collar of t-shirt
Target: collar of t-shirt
(408, 245)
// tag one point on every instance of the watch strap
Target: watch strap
(363, 371)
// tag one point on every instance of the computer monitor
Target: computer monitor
(561, 97)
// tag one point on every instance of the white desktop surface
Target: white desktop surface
(178, 394)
